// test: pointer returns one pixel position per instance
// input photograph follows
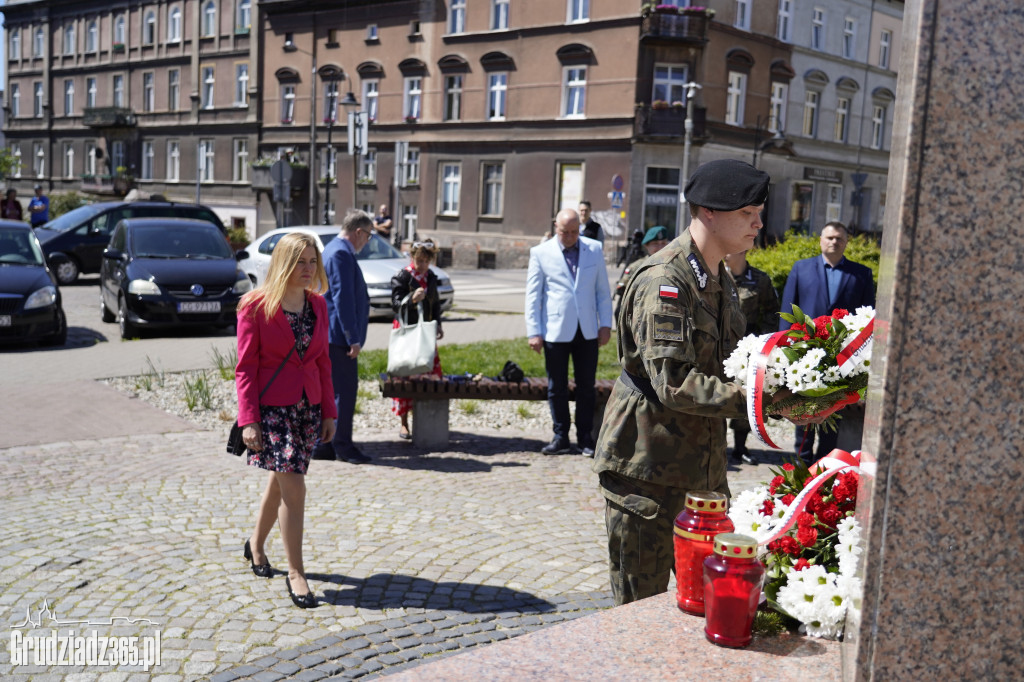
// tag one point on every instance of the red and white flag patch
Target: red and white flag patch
(668, 292)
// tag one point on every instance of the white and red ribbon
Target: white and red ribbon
(756, 367)
(854, 348)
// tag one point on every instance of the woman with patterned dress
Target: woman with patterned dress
(420, 280)
(282, 354)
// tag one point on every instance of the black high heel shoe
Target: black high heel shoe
(303, 601)
(261, 571)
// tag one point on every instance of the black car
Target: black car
(163, 272)
(30, 305)
(74, 242)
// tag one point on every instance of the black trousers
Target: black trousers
(584, 364)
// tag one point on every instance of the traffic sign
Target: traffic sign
(617, 199)
(617, 183)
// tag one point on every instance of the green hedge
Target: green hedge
(778, 260)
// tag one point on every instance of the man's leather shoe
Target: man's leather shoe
(355, 457)
(748, 458)
(587, 450)
(557, 447)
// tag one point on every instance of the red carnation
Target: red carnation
(807, 536)
(790, 546)
(788, 467)
(774, 485)
(821, 326)
(768, 508)
(801, 564)
(814, 503)
(804, 520)
(840, 313)
(830, 515)
(773, 546)
(788, 499)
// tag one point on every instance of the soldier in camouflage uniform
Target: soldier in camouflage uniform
(760, 305)
(664, 424)
(654, 241)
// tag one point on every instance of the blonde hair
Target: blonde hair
(282, 264)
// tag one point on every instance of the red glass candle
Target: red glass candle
(733, 578)
(695, 529)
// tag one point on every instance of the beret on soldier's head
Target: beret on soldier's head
(656, 232)
(727, 185)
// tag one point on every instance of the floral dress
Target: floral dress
(290, 432)
(400, 406)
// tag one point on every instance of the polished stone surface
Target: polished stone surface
(945, 419)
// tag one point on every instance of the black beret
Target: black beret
(727, 185)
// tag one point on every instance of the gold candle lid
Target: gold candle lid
(706, 501)
(735, 545)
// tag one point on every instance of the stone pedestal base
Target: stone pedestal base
(430, 424)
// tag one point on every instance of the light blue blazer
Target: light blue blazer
(555, 304)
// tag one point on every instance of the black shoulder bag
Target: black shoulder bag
(235, 444)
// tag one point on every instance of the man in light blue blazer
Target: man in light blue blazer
(569, 314)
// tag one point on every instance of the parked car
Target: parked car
(30, 303)
(378, 260)
(74, 242)
(169, 273)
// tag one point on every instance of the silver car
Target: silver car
(379, 262)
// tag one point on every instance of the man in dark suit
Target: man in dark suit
(818, 286)
(348, 314)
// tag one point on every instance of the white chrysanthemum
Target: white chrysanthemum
(746, 516)
(848, 545)
(831, 375)
(812, 597)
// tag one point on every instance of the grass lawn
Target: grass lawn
(489, 357)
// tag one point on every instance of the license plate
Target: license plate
(5, 320)
(199, 307)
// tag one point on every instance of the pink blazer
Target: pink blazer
(262, 345)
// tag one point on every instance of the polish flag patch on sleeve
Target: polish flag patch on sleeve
(668, 292)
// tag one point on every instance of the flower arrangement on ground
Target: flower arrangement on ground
(822, 361)
(810, 542)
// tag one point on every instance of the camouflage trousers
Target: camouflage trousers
(639, 517)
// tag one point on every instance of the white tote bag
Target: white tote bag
(412, 346)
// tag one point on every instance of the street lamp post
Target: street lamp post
(356, 137)
(330, 76)
(691, 92)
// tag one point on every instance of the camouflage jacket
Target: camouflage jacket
(676, 323)
(758, 300)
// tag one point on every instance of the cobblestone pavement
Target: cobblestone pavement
(414, 556)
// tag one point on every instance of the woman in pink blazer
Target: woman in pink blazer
(285, 318)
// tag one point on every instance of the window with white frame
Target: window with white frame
(173, 160)
(777, 107)
(493, 190)
(90, 157)
(206, 160)
(208, 84)
(810, 123)
(884, 48)
(90, 92)
(148, 159)
(834, 204)
(209, 19)
(69, 97)
(173, 89)
(148, 96)
(15, 100)
(818, 29)
(784, 22)
(742, 15)
(669, 83)
(412, 166)
(38, 159)
(287, 103)
(457, 16)
(242, 84)
(92, 36)
(118, 90)
(15, 51)
(174, 25)
(69, 39)
(69, 160)
(842, 116)
(16, 152)
(849, 38)
(574, 91)
(119, 30)
(240, 151)
(149, 29)
(451, 186)
(37, 99)
(371, 88)
(38, 40)
(453, 97)
(412, 99)
(243, 18)
(499, 15)
(372, 36)
(878, 113)
(735, 98)
(577, 11)
(368, 167)
(497, 89)
(117, 154)
(410, 214)
(331, 101)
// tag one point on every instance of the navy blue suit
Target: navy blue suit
(807, 287)
(348, 313)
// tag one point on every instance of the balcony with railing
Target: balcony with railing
(666, 22)
(108, 117)
(662, 120)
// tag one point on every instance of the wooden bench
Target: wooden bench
(430, 417)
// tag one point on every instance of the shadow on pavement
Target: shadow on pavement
(392, 591)
(78, 337)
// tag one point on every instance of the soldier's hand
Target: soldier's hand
(536, 343)
(604, 334)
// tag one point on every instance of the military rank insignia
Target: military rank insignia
(668, 292)
(668, 327)
(702, 277)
